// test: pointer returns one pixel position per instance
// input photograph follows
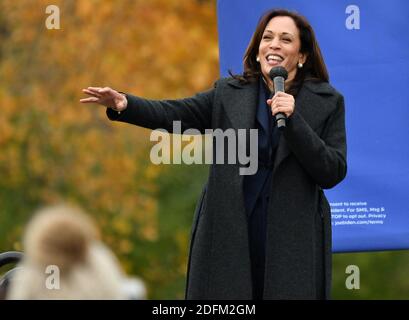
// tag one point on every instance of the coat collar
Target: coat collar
(302, 101)
(321, 88)
(314, 86)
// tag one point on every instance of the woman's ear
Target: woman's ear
(302, 58)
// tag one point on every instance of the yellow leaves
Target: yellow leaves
(150, 233)
(10, 167)
(149, 220)
(152, 171)
(182, 240)
(6, 128)
(121, 226)
(17, 246)
(6, 132)
(125, 247)
(86, 8)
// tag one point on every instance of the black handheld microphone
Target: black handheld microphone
(279, 75)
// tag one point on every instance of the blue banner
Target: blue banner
(366, 49)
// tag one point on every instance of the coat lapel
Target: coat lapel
(305, 98)
(241, 104)
(283, 151)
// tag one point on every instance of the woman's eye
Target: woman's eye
(287, 40)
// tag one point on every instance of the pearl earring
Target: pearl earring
(258, 59)
(300, 65)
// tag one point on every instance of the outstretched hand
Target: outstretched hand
(107, 97)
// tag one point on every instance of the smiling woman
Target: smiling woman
(267, 235)
(291, 41)
(280, 47)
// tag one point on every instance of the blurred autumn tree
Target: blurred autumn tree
(55, 149)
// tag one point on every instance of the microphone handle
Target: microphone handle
(281, 119)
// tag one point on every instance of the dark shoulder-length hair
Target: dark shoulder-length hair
(313, 69)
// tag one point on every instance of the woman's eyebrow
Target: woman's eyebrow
(283, 33)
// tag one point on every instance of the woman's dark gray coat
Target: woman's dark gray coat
(311, 156)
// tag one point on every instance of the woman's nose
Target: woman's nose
(275, 43)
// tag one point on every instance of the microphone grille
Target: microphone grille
(278, 72)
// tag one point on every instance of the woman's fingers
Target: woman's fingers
(282, 102)
(91, 93)
(285, 106)
(287, 111)
(95, 89)
(89, 100)
(104, 96)
(106, 90)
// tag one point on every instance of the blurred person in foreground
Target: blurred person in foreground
(64, 259)
(266, 235)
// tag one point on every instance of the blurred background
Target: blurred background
(52, 148)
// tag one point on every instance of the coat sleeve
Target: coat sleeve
(324, 158)
(194, 112)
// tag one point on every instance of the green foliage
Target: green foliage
(383, 275)
(179, 190)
